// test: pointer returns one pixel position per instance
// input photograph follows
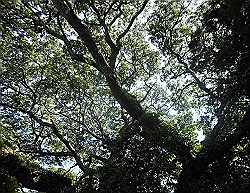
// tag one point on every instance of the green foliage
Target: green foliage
(8, 184)
(139, 164)
(185, 63)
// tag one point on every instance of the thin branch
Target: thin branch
(48, 153)
(110, 7)
(126, 101)
(131, 22)
(179, 96)
(214, 152)
(201, 85)
(114, 49)
(82, 123)
(146, 95)
(56, 132)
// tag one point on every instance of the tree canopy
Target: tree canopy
(108, 96)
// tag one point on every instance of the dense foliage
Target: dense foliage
(108, 96)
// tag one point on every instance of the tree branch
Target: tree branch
(193, 170)
(48, 153)
(215, 152)
(126, 100)
(221, 120)
(131, 22)
(56, 132)
(114, 49)
(201, 85)
(84, 33)
(35, 177)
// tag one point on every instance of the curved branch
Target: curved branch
(193, 170)
(114, 49)
(57, 134)
(131, 22)
(126, 100)
(221, 121)
(213, 153)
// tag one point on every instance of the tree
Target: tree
(83, 87)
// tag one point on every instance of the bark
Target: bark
(193, 168)
(193, 171)
(126, 100)
(32, 176)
